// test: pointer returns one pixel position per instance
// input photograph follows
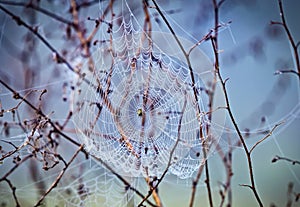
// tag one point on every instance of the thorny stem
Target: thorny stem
(207, 181)
(214, 41)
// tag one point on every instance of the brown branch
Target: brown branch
(289, 195)
(10, 153)
(58, 178)
(38, 111)
(206, 37)
(59, 58)
(56, 55)
(186, 55)
(265, 137)
(242, 140)
(227, 161)
(125, 182)
(155, 195)
(147, 21)
(170, 158)
(277, 158)
(99, 21)
(195, 184)
(39, 9)
(290, 37)
(17, 164)
(85, 44)
(57, 130)
(214, 41)
(87, 4)
(13, 189)
(278, 72)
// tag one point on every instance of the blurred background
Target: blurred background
(251, 51)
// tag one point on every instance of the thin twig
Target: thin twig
(99, 21)
(39, 9)
(57, 130)
(227, 160)
(38, 111)
(125, 182)
(58, 178)
(241, 138)
(277, 158)
(204, 38)
(195, 184)
(278, 72)
(289, 195)
(170, 157)
(79, 31)
(15, 167)
(214, 41)
(58, 57)
(265, 137)
(195, 96)
(290, 37)
(155, 195)
(87, 4)
(13, 189)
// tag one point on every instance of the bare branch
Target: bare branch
(13, 189)
(290, 37)
(214, 41)
(265, 137)
(204, 149)
(170, 158)
(58, 178)
(39, 9)
(278, 72)
(277, 158)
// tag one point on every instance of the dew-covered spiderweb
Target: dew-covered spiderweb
(137, 126)
(141, 108)
(139, 91)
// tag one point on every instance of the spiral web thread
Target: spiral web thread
(129, 114)
(131, 120)
(88, 184)
(141, 77)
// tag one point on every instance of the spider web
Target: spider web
(157, 60)
(137, 63)
(133, 122)
(139, 92)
